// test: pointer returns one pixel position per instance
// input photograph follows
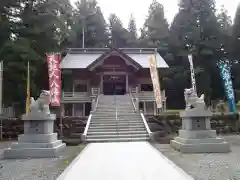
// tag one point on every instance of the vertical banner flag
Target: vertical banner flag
(54, 74)
(28, 88)
(192, 73)
(155, 80)
(225, 72)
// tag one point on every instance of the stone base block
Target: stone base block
(35, 146)
(197, 134)
(206, 145)
(34, 150)
(37, 138)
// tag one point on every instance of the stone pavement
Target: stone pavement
(122, 161)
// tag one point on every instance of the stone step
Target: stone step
(110, 129)
(100, 121)
(116, 129)
(117, 139)
(102, 113)
(118, 125)
(116, 122)
(129, 109)
(119, 118)
(109, 136)
(117, 133)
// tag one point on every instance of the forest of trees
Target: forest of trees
(30, 28)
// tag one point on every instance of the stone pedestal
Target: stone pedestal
(38, 140)
(196, 135)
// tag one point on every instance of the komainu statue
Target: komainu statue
(41, 104)
(192, 100)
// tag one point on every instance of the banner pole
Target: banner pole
(1, 88)
(61, 116)
(190, 58)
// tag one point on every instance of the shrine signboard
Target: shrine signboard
(54, 74)
(155, 80)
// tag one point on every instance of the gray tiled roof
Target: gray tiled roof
(82, 58)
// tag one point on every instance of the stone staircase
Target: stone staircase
(115, 120)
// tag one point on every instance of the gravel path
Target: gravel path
(207, 166)
(36, 169)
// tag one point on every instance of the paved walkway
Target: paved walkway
(122, 161)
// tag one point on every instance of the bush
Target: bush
(222, 123)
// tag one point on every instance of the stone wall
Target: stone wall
(170, 124)
(71, 125)
(163, 125)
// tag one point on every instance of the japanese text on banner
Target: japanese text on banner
(225, 73)
(54, 78)
(155, 80)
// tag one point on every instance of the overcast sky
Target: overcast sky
(139, 8)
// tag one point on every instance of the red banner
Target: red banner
(54, 75)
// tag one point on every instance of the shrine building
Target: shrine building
(88, 72)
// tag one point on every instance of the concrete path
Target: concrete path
(122, 161)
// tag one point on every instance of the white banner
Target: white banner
(192, 73)
(155, 80)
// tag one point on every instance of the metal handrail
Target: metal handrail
(87, 126)
(146, 124)
(134, 106)
(89, 120)
(97, 101)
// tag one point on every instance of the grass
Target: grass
(173, 111)
(71, 152)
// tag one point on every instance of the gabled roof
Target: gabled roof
(116, 52)
(86, 58)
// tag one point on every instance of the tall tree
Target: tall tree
(196, 30)
(156, 27)
(38, 27)
(234, 48)
(88, 17)
(118, 34)
(235, 39)
(132, 29)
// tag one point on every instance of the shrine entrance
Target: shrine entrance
(114, 84)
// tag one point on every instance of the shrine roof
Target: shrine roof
(78, 58)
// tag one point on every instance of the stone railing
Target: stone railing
(95, 91)
(145, 95)
(76, 97)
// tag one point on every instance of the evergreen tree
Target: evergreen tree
(89, 16)
(37, 28)
(235, 39)
(132, 29)
(156, 27)
(118, 34)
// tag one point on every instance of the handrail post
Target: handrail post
(96, 102)
(146, 125)
(84, 135)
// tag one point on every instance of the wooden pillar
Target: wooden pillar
(93, 104)
(165, 105)
(84, 109)
(73, 109)
(62, 109)
(144, 107)
(154, 107)
(127, 90)
(62, 114)
(101, 84)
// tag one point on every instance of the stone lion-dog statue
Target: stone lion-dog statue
(41, 104)
(192, 100)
